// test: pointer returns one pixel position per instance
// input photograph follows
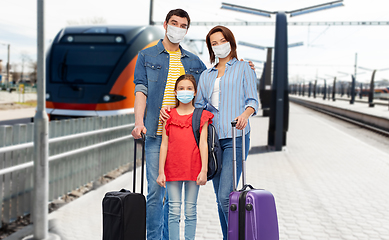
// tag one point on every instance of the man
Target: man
(156, 71)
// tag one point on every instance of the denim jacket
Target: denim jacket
(150, 78)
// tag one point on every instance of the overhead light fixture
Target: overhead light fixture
(295, 44)
(254, 11)
(251, 45)
(316, 8)
(254, 60)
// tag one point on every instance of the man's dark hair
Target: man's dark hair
(178, 12)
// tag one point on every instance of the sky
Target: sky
(327, 50)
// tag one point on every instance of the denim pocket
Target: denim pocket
(152, 71)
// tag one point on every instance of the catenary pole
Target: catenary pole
(41, 173)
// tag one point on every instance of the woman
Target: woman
(228, 90)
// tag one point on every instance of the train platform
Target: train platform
(328, 184)
(380, 109)
(374, 116)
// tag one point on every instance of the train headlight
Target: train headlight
(70, 39)
(106, 98)
(47, 95)
(118, 39)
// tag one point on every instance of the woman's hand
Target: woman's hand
(202, 178)
(161, 180)
(163, 115)
(242, 121)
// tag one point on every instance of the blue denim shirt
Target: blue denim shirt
(150, 78)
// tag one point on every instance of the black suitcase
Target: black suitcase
(124, 212)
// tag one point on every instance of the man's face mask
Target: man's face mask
(175, 34)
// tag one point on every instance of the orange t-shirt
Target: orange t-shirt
(183, 161)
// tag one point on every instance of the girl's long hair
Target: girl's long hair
(185, 77)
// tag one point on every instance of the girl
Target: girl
(228, 90)
(181, 162)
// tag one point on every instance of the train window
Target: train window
(84, 63)
(92, 39)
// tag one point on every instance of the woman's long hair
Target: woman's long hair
(228, 35)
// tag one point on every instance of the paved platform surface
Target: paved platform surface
(327, 185)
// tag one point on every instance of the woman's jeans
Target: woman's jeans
(223, 183)
(174, 191)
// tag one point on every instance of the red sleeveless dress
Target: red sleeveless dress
(183, 161)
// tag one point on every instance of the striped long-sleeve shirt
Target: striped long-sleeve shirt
(237, 92)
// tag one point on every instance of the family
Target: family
(170, 82)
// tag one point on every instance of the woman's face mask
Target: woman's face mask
(222, 51)
(175, 34)
(185, 96)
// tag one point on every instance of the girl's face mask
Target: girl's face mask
(185, 96)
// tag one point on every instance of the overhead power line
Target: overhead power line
(354, 23)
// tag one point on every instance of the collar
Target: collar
(229, 63)
(162, 49)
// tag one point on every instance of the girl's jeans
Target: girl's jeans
(174, 192)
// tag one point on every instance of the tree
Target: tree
(15, 72)
(25, 58)
(33, 73)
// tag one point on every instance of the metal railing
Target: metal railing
(80, 151)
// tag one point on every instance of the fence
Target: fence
(80, 151)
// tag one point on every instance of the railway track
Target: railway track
(375, 129)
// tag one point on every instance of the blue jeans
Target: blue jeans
(156, 209)
(223, 183)
(191, 192)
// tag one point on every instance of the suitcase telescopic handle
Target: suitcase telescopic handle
(142, 139)
(234, 176)
(234, 165)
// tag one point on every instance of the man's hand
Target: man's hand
(250, 63)
(137, 130)
(163, 115)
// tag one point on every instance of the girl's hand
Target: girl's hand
(242, 121)
(163, 116)
(161, 180)
(202, 178)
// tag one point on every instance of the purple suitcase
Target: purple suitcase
(252, 213)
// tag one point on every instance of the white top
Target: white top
(215, 94)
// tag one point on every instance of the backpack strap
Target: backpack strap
(196, 120)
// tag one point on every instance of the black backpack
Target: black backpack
(214, 148)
